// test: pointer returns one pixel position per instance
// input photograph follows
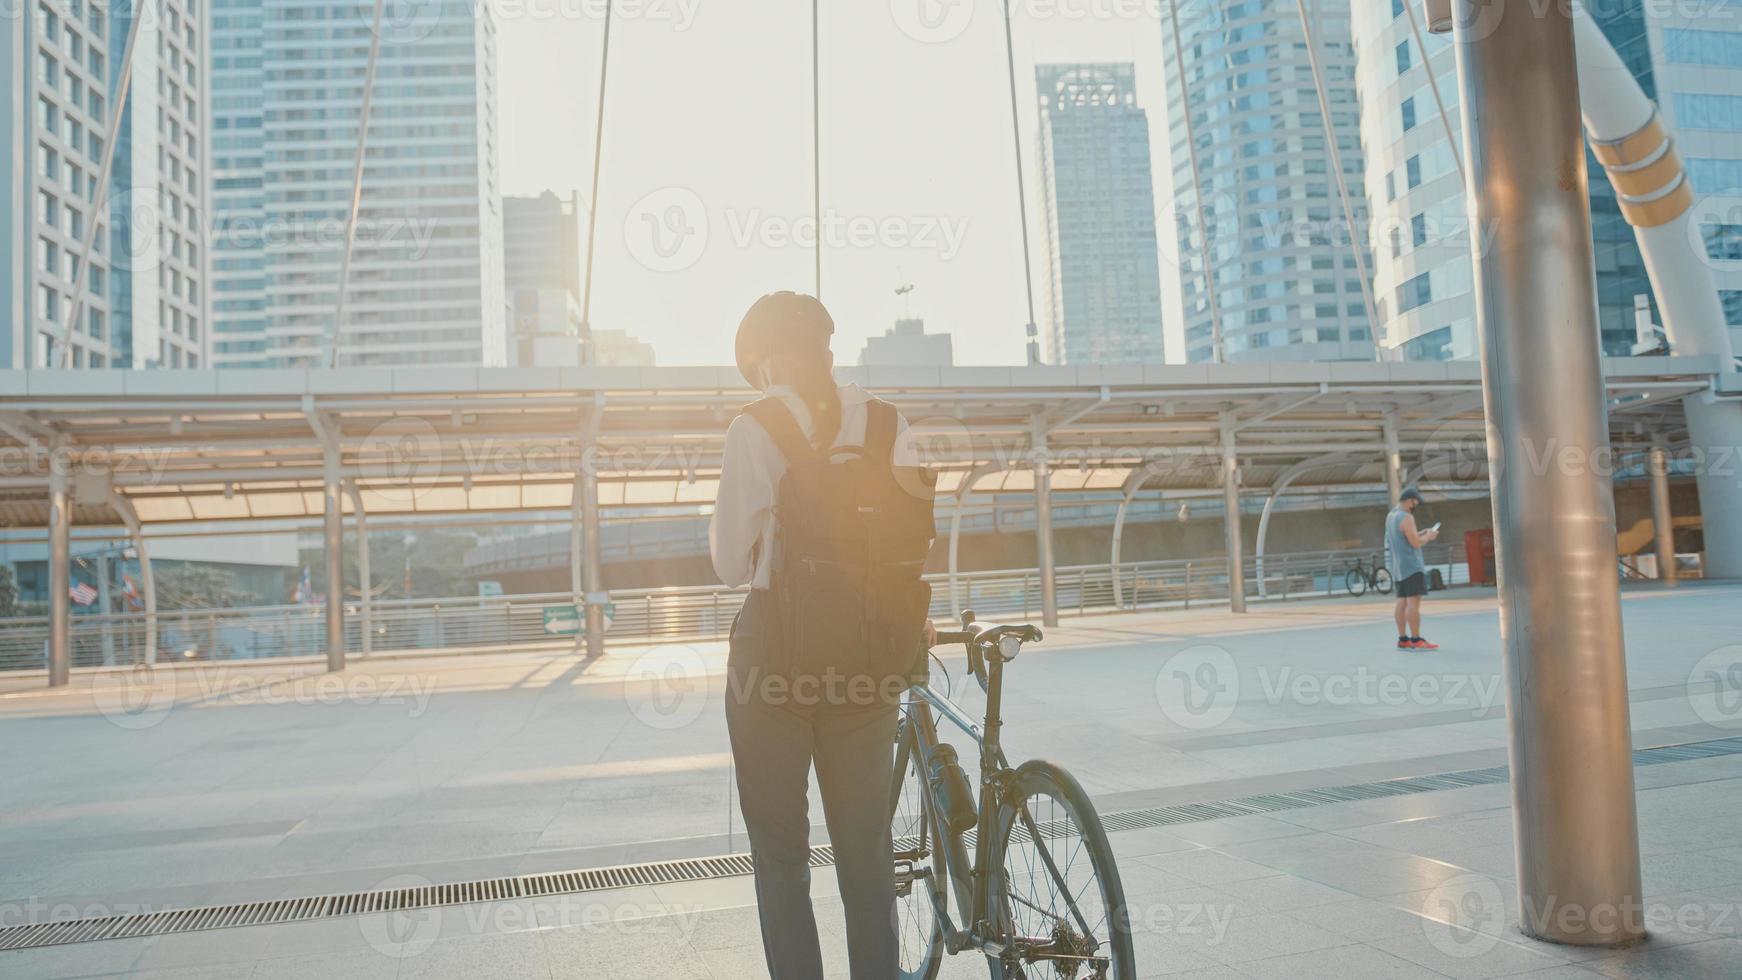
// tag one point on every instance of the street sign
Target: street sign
(562, 620)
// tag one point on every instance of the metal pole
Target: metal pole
(333, 541)
(577, 549)
(587, 486)
(1357, 242)
(1218, 343)
(104, 611)
(1021, 190)
(356, 207)
(366, 601)
(1662, 517)
(1393, 460)
(1231, 518)
(1560, 615)
(817, 141)
(60, 573)
(593, 199)
(1049, 609)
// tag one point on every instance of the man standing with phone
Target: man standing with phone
(1408, 570)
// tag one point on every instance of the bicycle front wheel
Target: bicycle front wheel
(920, 868)
(1058, 891)
(1382, 580)
(1356, 582)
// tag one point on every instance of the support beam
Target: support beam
(119, 503)
(333, 532)
(60, 572)
(105, 610)
(585, 549)
(1393, 460)
(366, 598)
(1049, 605)
(1231, 518)
(1662, 518)
(1281, 484)
(1574, 813)
(957, 501)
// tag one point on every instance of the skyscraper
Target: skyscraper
(1689, 64)
(425, 281)
(1103, 282)
(144, 301)
(1287, 283)
(541, 245)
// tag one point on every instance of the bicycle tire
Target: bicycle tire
(1382, 580)
(1356, 582)
(1067, 821)
(920, 949)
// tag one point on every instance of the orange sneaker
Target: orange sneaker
(1420, 644)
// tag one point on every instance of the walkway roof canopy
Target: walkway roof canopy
(249, 444)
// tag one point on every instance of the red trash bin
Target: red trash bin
(1479, 555)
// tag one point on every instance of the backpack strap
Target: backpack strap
(776, 420)
(880, 424)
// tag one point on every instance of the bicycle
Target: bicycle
(1040, 896)
(1362, 577)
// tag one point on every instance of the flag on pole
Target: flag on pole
(130, 592)
(82, 594)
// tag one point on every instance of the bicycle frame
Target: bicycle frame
(971, 878)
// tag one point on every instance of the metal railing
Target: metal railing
(669, 614)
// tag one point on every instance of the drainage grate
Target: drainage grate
(733, 865)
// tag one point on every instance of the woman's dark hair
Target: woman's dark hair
(793, 330)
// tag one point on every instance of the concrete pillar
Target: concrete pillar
(1574, 816)
(1714, 433)
(1231, 519)
(148, 593)
(592, 562)
(1393, 460)
(1049, 604)
(366, 601)
(333, 541)
(1662, 519)
(105, 610)
(60, 573)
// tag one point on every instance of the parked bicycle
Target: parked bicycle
(1367, 574)
(1040, 896)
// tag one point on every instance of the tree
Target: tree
(199, 586)
(8, 591)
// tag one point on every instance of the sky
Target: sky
(705, 190)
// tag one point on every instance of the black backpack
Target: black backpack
(852, 531)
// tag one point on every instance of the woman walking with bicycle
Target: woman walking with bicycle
(824, 514)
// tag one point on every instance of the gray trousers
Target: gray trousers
(774, 744)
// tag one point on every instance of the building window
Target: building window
(1412, 171)
(1408, 110)
(1732, 300)
(1722, 49)
(1402, 57)
(1414, 292)
(1418, 230)
(1723, 242)
(1717, 112)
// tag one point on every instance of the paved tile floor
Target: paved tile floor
(218, 791)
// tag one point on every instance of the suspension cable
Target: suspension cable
(817, 143)
(1342, 184)
(1434, 87)
(1021, 190)
(332, 357)
(593, 196)
(1218, 344)
(99, 194)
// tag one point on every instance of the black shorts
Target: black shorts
(1412, 586)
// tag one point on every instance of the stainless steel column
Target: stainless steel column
(334, 543)
(60, 572)
(1662, 518)
(1049, 600)
(365, 601)
(1560, 619)
(1393, 461)
(1231, 519)
(591, 547)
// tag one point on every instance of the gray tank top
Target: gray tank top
(1405, 557)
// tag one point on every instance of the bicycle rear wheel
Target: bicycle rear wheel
(921, 874)
(1382, 580)
(1356, 582)
(1058, 890)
